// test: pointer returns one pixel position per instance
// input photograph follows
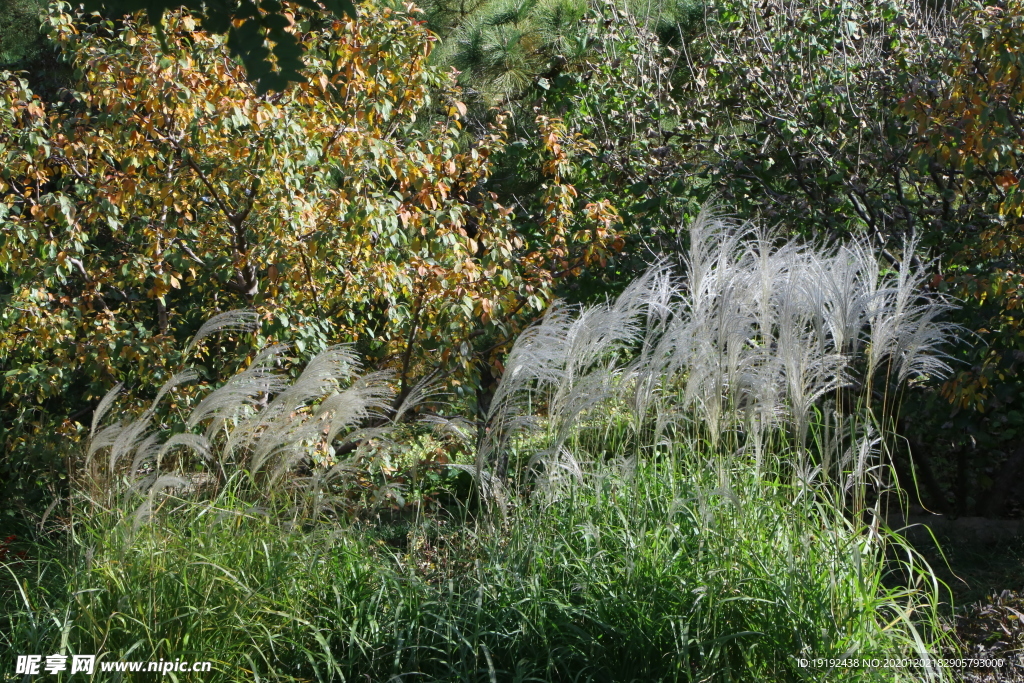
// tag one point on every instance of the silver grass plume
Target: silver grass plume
(760, 330)
(127, 439)
(104, 405)
(242, 394)
(571, 365)
(258, 420)
(229, 321)
(919, 346)
(845, 282)
(810, 372)
(536, 360)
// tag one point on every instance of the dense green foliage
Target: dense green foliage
(18, 41)
(650, 576)
(257, 34)
(395, 444)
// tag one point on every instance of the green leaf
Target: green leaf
(340, 7)
(638, 189)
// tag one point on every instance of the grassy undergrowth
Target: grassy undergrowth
(648, 573)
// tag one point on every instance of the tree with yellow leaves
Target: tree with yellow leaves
(343, 209)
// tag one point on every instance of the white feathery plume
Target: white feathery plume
(810, 373)
(104, 405)
(134, 435)
(146, 451)
(537, 360)
(241, 394)
(561, 468)
(104, 437)
(841, 280)
(368, 396)
(195, 442)
(420, 393)
(761, 390)
(267, 419)
(459, 427)
(858, 458)
(904, 329)
(538, 356)
(231, 321)
(572, 361)
(919, 347)
(284, 423)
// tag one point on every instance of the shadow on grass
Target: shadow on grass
(985, 577)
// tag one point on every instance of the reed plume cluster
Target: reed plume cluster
(259, 424)
(758, 339)
(753, 343)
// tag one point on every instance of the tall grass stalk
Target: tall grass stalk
(648, 570)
